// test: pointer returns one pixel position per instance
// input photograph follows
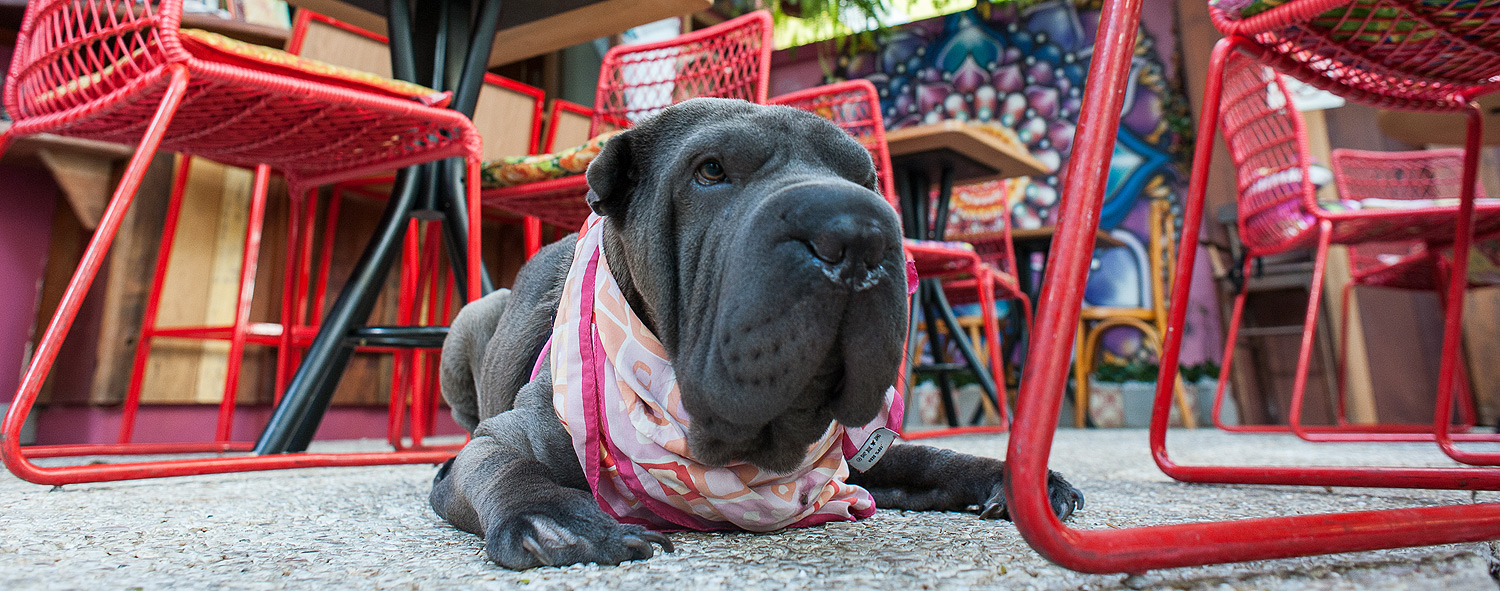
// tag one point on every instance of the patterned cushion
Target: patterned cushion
(215, 47)
(519, 170)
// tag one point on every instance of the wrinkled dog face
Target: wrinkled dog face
(781, 282)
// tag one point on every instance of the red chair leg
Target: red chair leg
(992, 333)
(475, 264)
(153, 303)
(1341, 414)
(532, 233)
(1141, 549)
(1450, 370)
(402, 361)
(238, 333)
(1231, 335)
(1309, 330)
(294, 281)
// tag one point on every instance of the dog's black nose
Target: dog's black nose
(854, 238)
(848, 230)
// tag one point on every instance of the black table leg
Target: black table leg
(311, 388)
(939, 364)
(945, 194)
(448, 48)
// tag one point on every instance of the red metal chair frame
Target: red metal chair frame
(115, 70)
(1360, 173)
(729, 60)
(854, 106)
(1268, 141)
(1139, 549)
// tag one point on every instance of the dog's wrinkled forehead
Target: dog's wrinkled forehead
(751, 137)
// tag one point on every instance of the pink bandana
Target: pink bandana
(617, 395)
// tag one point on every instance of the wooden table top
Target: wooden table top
(1440, 128)
(975, 154)
(529, 29)
(1044, 235)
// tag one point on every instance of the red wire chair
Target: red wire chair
(729, 60)
(1139, 549)
(118, 71)
(1135, 550)
(1423, 174)
(854, 105)
(998, 252)
(1279, 211)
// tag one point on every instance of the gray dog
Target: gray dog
(750, 241)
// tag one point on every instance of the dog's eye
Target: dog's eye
(710, 172)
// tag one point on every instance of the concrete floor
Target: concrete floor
(370, 528)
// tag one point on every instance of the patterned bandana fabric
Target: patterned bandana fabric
(617, 395)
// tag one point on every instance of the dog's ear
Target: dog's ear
(611, 176)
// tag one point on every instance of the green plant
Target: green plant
(1199, 371)
(854, 26)
(1111, 372)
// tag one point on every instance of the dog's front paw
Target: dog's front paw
(572, 530)
(1063, 497)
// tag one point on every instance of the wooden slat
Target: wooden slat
(506, 120)
(173, 371)
(85, 181)
(572, 130)
(131, 259)
(342, 48)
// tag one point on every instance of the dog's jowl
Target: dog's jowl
(708, 354)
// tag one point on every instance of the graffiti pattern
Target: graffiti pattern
(1021, 67)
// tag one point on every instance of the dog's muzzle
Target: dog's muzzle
(847, 229)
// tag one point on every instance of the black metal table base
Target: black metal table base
(445, 47)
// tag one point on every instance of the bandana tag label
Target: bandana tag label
(873, 449)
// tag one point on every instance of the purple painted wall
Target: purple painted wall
(27, 198)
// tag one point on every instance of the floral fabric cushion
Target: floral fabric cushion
(519, 170)
(215, 47)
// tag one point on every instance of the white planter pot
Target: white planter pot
(1129, 404)
(1137, 398)
(1230, 414)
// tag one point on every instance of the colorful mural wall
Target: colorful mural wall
(1020, 66)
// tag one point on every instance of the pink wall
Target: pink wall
(27, 199)
(175, 423)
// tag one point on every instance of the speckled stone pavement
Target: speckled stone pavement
(370, 528)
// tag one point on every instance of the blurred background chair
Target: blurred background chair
(1151, 320)
(1422, 176)
(1407, 197)
(122, 71)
